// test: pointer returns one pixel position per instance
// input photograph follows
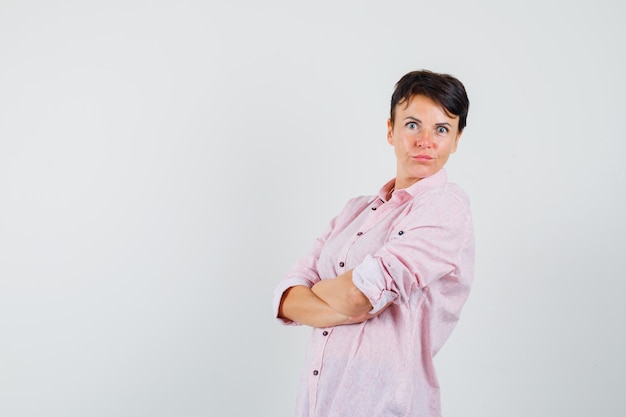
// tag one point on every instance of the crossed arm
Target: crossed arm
(330, 302)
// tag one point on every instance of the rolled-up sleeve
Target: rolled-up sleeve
(280, 290)
(369, 278)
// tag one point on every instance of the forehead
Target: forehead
(423, 105)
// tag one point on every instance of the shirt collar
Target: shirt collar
(424, 184)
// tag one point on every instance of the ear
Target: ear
(456, 142)
(389, 132)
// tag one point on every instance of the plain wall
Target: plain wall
(164, 163)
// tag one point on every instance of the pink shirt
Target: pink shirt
(417, 250)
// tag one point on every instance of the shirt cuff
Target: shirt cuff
(370, 279)
(278, 295)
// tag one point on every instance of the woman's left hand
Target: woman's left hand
(342, 295)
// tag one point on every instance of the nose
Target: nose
(424, 139)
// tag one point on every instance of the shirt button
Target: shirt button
(401, 232)
(373, 208)
(325, 333)
(316, 372)
(341, 264)
(359, 234)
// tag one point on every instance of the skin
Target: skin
(302, 305)
(423, 136)
(343, 296)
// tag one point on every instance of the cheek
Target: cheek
(400, 144)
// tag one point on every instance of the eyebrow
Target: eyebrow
(419, 121)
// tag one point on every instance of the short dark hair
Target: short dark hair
(443, 89)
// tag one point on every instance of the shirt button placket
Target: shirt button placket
(320, 348)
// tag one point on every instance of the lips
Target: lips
(422, 157)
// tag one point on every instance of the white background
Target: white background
(164, 163)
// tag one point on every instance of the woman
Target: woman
(383, 287)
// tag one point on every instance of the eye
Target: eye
(442, 130)
(412, 125)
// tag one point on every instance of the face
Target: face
(423, 137)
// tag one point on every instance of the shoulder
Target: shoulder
(454, 192)
(444, 205)
(448, 195)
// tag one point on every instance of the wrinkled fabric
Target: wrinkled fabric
(417, 252)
